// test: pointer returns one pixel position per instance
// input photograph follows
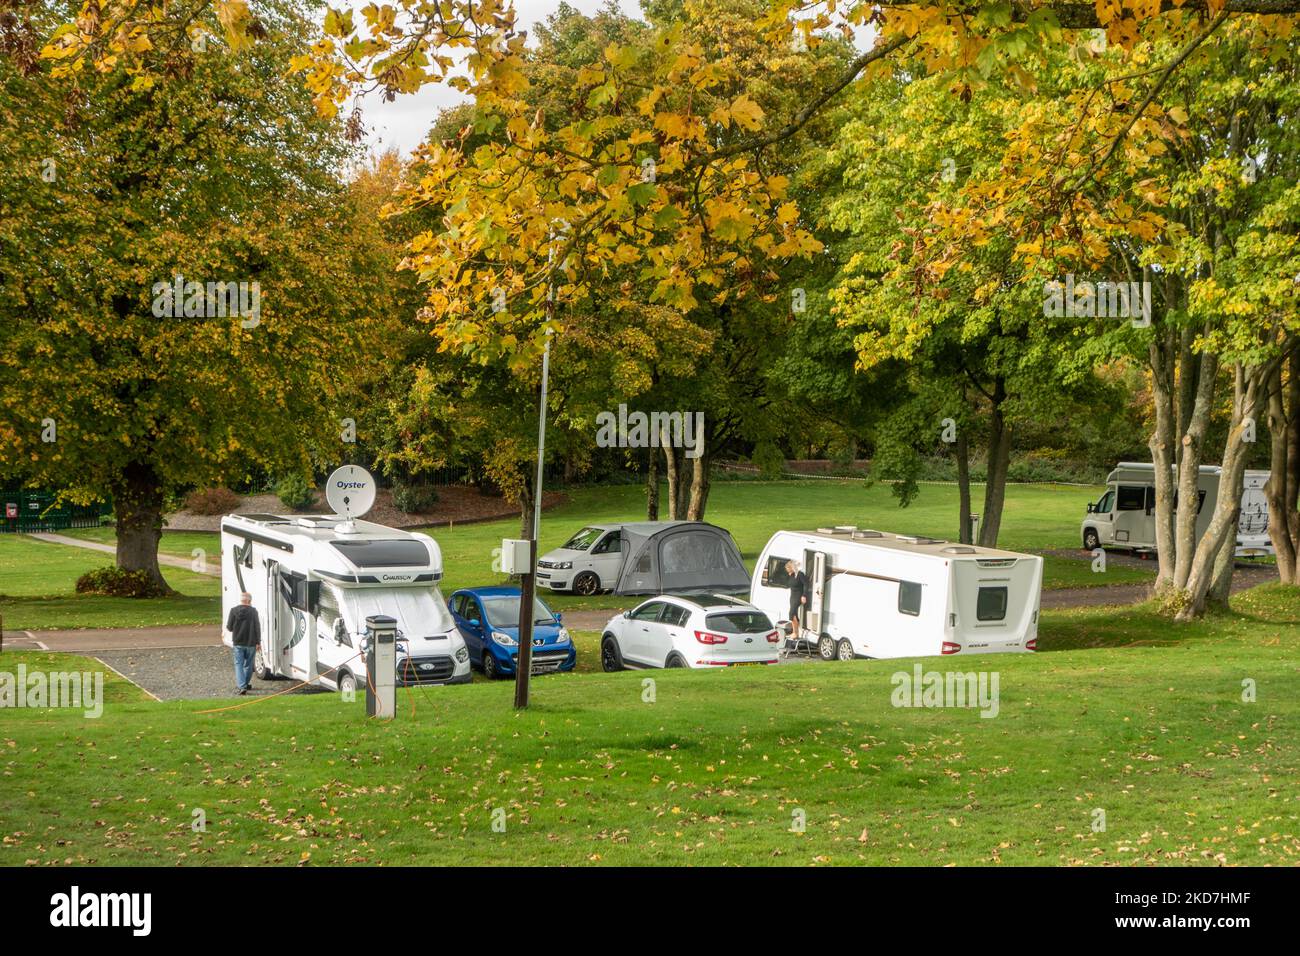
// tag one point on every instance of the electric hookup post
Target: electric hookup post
(381, 667)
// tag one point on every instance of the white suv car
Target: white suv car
(676, 631)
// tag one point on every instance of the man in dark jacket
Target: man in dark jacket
(245, 634)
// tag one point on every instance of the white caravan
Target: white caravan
(1125, 516)
(874, 594)
(315, 579)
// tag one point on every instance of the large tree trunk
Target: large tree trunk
(526, 508)
(995, 491)
(677, 486)
(138, 506)
(652, 486)
(1161, 356)
(700, 483)
(1189, 472)
(963, 489)
(1225, 563)
(1284, 464)
(1223, 523)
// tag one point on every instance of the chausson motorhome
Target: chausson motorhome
(1125, 516)
(874, 594)
(315, 579)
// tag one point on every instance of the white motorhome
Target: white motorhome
(315, 579)
(874, 594)
(1125, 516)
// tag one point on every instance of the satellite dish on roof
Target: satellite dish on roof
(350, 491)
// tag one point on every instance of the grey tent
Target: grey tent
(676, 557)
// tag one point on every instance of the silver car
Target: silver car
(588, 563)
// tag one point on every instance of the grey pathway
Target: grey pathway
(214, 568)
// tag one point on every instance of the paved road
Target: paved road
(170, 560)
(115, 639)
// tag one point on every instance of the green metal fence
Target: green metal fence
(27, 511)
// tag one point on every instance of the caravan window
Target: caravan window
(991, 604)
(775, 575)
(1132, 498)
(909, 598)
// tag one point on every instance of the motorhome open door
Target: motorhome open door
(815, 562)
(273, 632)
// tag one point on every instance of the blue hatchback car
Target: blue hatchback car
(488, 619)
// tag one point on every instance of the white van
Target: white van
(874, 594)
(1125, 515)
(315, 579)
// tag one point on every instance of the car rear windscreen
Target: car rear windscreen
(739, 622)
(398, 553)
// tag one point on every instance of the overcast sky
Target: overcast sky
(403, 122)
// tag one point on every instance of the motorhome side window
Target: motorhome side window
(1132, 498)
(1103, 506)
(1200, 500)
(775, 575)
(991, 604)
(909, 598)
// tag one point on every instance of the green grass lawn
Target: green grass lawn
(1037, 518)
(38, 581)
(1126, 714)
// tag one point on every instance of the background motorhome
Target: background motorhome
(646, 557)
(874, 594)
(1125, 515)
(314, 581)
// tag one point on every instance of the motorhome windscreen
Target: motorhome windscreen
(419, 611)
(394, 553)
(739, 622)
(503, 611)
(584, 539)
(991, 604)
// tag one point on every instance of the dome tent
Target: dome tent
(677, 557)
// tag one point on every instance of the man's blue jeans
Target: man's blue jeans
(244, 666)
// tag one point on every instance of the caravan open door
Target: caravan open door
(814, 613)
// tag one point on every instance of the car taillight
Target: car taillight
(706, 637)
(1031, 644)
(773, 637)
(950, 648)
